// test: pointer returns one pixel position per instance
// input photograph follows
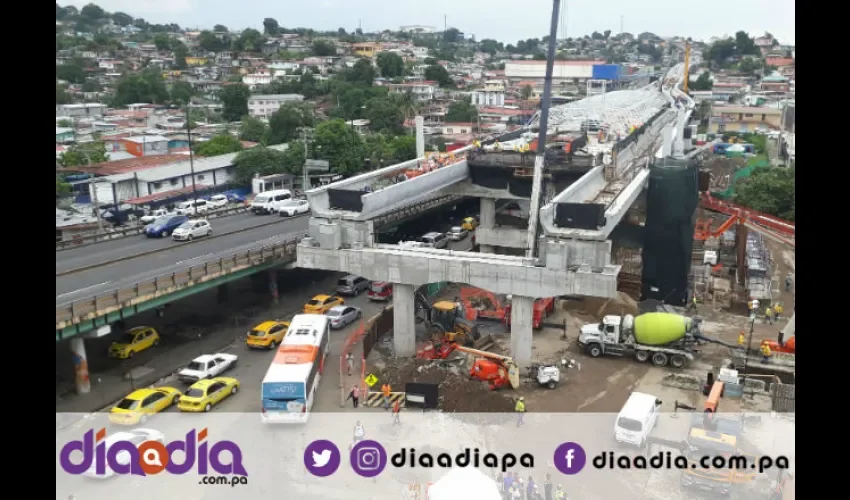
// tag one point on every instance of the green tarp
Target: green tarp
(754, 163)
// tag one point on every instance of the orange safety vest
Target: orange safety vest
(386, 389)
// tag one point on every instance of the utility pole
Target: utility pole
(94, 193)
(191, 159)
(540, 158)
(305, 182)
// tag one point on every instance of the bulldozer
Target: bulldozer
(446, 323)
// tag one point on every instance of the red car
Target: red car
(381, 290)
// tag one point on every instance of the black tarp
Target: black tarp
(344, 199)
(520, 187)
(580, 215)
(671, 201)
(493, 178)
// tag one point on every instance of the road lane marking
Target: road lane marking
(78, 290)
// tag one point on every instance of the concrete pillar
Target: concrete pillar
(522, 317)
(420, 136)
(488, 220)
(273, 285)
(222, 293)
(404, 320)
(81, 365)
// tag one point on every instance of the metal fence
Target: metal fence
(377, 327)
(369, 333)
(117, 298)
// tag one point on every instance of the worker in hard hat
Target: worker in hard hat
(768, 315)
(778, 310)
(765, 352)
(742, 338)
(519, 408)
(560, 494)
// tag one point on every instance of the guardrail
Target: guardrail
(87, 239)
(414, 209)
(125, 296)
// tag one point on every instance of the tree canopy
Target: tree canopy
(438, 74)
(285, 122)
(86, 153)
(234, 98)
(390, 64)
(146, 86)
(361, 73)
(323, 48)
(218, 145)
(252, 129)
(462, 111)
(770, 190)
(263, 161)
(182, 92)
(703, 82)
(385, 114)
(338, 143)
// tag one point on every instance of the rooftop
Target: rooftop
(277, 97)
(141, 139)
(130, 164)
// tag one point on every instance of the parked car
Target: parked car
(193, 207)
(291, 208)
(134, 340)
(235, 198)
(264, 203)
(207, 366)
(154, 215)
(380, 291)
(205, 393)
(140, 404)
(352, 285)
(342, 316)
(435, 240)
(457, 233)
(218, 201)
(164, 226)
(192, 229)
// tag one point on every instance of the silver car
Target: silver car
(191, 230)
(352, 285)
(457, 233)
(342, 316)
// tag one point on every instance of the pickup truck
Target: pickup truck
(207, 366)
(154, 215)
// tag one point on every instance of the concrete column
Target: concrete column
(273, 285)
(222, 293)
(522, 317)
(81, 365)
(420, 136)
(488, 220)
(404, 320)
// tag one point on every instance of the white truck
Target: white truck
(154, 215)
(207, 366)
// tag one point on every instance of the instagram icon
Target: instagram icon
(368, 458)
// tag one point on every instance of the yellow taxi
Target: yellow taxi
(267, 335)
(320, 304)
(204, 394)
(469, 223)
(140, 404)
(134, 340)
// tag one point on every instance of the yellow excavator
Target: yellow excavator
(447, 323)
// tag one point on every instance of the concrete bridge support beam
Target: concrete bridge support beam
(404, 320)
(273, 285)
(488, 220)
(522, 318)
(81, 365)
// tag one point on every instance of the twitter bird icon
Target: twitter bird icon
(322, 458)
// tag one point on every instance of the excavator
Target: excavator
(498, 371)
(446, 323)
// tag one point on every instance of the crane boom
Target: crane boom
(484, 354)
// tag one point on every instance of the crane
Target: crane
(773, 228)
(495, 369)
(687, 66)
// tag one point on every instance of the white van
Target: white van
(637, 418)
(192, 207)
(267, 201)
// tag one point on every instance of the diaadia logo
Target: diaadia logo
(151, 457)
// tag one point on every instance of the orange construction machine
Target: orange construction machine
(498, 371)
(786, 342)
(481, 304)
(542, 309)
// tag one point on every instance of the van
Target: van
(435, 240)
(637, 418)
(267, 201)
(352, 285)
(192, 207)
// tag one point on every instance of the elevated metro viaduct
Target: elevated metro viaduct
(574, 256)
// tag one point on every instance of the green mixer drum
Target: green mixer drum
(660, 328)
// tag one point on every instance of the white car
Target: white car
(207, 366)
(217, 201)
(194, 207)
(457, 233)
(135, 436)
(291, 208)
(156, 214)
(191, 230)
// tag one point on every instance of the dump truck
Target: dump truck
(662, 337)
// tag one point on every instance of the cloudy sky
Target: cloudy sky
(504, 20)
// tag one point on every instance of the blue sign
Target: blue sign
(284, 390)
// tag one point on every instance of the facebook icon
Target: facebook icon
(570, 458)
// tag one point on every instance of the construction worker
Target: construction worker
(692, 305)
(778, 310)
(560, 494)
(520, 410)
(396, 411)
(386, 389)
(755, 307)
(750, 306)
(742, 338)
(765, 352)
(788, 281)
(547, 487)
(768, 315)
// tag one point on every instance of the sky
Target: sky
(503, 20)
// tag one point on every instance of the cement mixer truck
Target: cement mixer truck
(662, 337)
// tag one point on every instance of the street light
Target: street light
(191, 161)
(94, 193)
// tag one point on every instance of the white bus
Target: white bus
(290, 385)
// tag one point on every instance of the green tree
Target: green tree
(162, 41)
(221, 144)
(270, 26)
(340, 145)
(65, 123)
(526, 92)
(234, 98)
(745, 45)
(250, 40)
(770, 190)
(720, 51)
(361, 73)
(285, 122)
(351, 99)
(182, 93)
(749, 66)
(378, 150)
(703, 82)
(252, 129)
(92, 12)
(323, 48)
(180, 53)
(84, 154)
(91, 86)
(147, 86)
(220, 28)
(437, 73)
(462, 111)
(403, 147)
(209, 42)
(385, 115)
(71, 72)
(122, 19)
(490, 46)
(62, 95)
(62, 187)
(258, 160)
(390, 64)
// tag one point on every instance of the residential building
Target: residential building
(366, 49)
(264, 105)
(775, 83)
(196, 61)
(359, 126)
(563, 71)
(64, 134)
(421, 91)
(493, 94)
(146, 145)
(254, 80)
(743, 119)
(91, 109)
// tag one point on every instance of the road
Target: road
(90, 282)
(122, 247)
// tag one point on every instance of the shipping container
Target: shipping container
(610, 72)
